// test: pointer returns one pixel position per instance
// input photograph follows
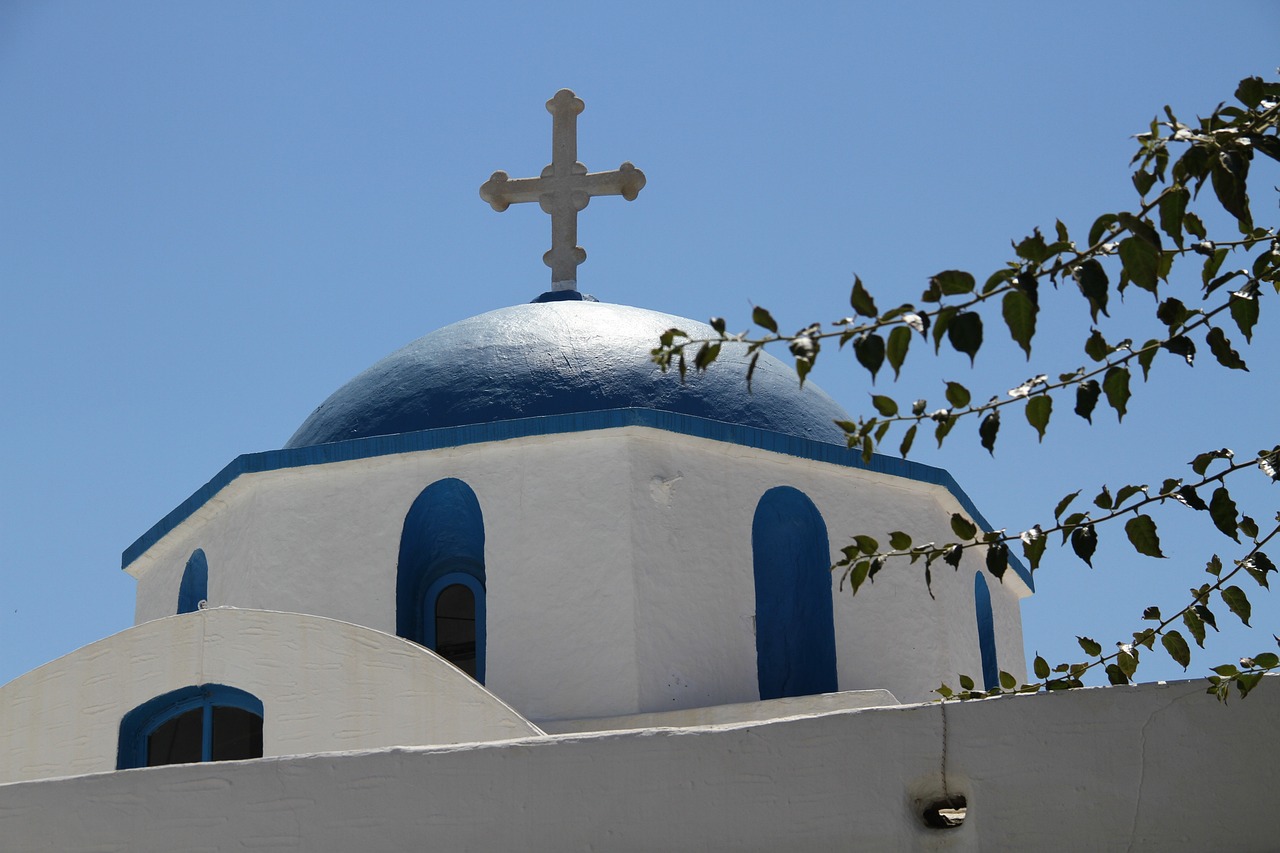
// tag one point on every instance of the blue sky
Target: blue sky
(212, 215)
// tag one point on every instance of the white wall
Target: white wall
(1157, 767)
(618, 563)
(324, 685)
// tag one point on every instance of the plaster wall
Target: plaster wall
(325, 685)
(618, 565)
(1154, 767)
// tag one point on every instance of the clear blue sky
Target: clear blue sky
(212, 215)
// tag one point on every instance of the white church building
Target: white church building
(512, 588)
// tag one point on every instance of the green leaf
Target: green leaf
(1127, 662)
(761, 317)
(1201, 463)
(1211, 266)
(1096, 346)
(1245, 682)
(884, 405)
(1091, 648)
(866, 544)
(1223, 511)
(1173, 313)
(1033, 545)
(964, 332)
(1142, 181)
(957, 395)
(1100, 226)
(1063, 504)
(1195, 625)
(1251, 91)
(1040, 667)
(1146, 355)
(707, 354)
(1020, 316)
(1087, 393)
(997, 559)
(1091, 278)
(1257, 566)
(987, 430)
(1228, 173)
(1189, 496)
(1177, 648)
(899, 343)
(953, 282)
(1141, 262)
(1141, 530)
(951, 556)
(1266, 660)
(1033, 248)
(1084, 541)
(1244, 310)
(907, 440)
(861, 300)
(1039, 408)
(1183, 346)
(1173, 208)
(1116, 386)
(868, 349)
(1222, 350)
(1142, 229)
(1115, 675)
(966, 682)
(899, 541)
(963, 527)
(1127, 492)
(858, 574)
(1238, 603)
(1007, 681)
(1104, 499)
(1214, 566)
(1151, 613)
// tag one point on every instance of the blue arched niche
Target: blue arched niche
(440, 580)
(194, 587)
(795, 627)
(986, 633)
(205, 722)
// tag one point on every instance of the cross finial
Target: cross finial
(563, 189)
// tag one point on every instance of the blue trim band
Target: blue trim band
(444, 437)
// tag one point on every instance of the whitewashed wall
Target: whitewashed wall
(618, 565)
(1156, 767)
(325, 685)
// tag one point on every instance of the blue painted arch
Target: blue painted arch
(194, 587)
(986, 633)
(795, 623)
(442, 543)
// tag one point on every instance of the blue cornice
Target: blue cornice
(436, 439)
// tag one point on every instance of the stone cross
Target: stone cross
(563, 189)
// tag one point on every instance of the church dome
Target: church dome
(558, 358)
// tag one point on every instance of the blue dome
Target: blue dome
(559, 358)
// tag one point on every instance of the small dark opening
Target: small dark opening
(946, 813)
(237, 734)
(456, 627)
(177, 741)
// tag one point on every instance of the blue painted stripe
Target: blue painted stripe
(437, 439)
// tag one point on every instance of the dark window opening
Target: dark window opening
(455, 616)
(948, 813)
(209, 722)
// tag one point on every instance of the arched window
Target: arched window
(207, 722)
(195, 583)
(986, 633)
(440, 579)
(795, 625)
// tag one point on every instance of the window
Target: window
(795, 623)
(986, 633)
(440, 576)
(209, 722)
(194, 589)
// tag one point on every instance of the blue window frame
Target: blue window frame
(194, 587)
(206, 722)
(986, 633)
(440, 575)
(795, 621)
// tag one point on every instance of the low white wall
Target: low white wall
(1156, 767)
(325, 685)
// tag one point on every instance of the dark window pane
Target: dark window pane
(237, 734)
(456, 627)
(177, 741)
